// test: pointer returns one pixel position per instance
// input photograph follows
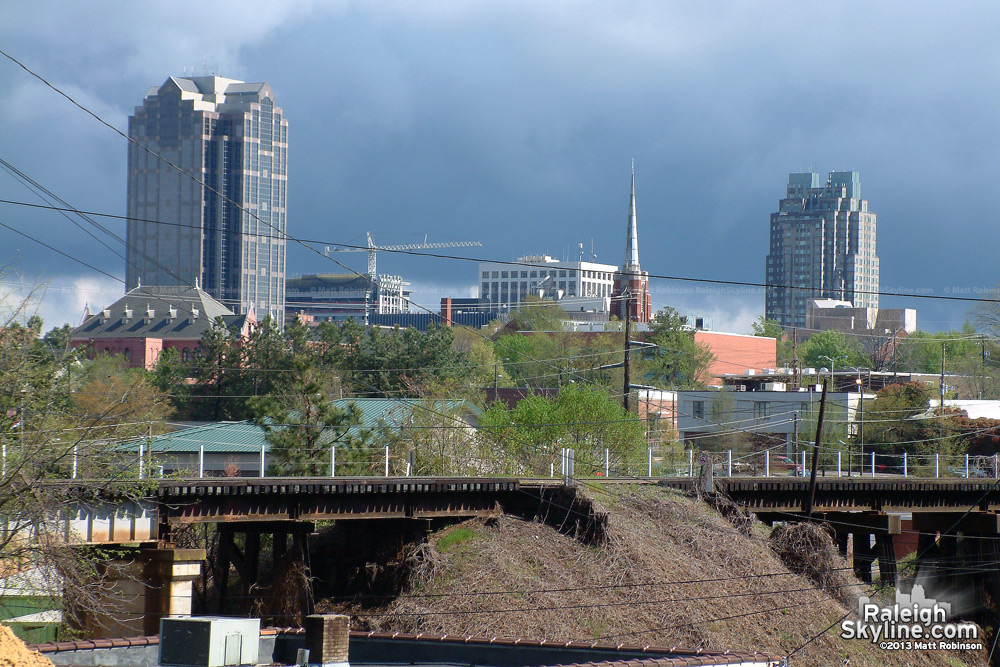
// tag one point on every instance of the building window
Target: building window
(186, 354)
(698, 409)
(760, 409)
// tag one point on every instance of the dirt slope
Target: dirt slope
(514, 578)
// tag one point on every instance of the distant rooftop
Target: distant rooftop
(174, 312)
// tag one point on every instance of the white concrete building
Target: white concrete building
(576, 286)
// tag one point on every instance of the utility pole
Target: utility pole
(815, 461)
(795, 359)
(628, 344)
(795, 434)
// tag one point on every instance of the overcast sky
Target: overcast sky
(514, 123)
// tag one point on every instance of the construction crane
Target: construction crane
(372, 249)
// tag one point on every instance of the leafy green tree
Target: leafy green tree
(301, 425)
(377, 362)
(766, 328)
(896, 422)
(845, 351)
(440, 430)
(921, 351)
(536, 359)
(587, 419)
(219, 389)
(44, 435)
(536, 314)
(678, 362)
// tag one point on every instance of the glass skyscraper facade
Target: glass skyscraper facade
(822, 245)
(224, 228)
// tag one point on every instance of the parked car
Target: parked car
(782, 462)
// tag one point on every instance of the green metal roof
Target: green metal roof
(246, 437)
(225, 437)
(399, 411)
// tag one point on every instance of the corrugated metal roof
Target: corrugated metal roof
(246, 437)
(397, 412)
(225, 437)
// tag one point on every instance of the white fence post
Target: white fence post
(904, 465)
(333, 460)
(387, 460)
(838, 463)
(607, 463)
(729, 463)
(140, 460)
(803, 463)
(691, 463)
(767, 463)
(76, 453)
(937, 470)
(4, 459)
(201, 461)
(995, 475)
(966, 465)
(262, 461)
(873, 464)
(649, 462)
(552, 469)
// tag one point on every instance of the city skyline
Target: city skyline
(515, 125)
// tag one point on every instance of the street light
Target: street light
(833, 364)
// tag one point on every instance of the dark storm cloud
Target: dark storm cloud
(515, 123)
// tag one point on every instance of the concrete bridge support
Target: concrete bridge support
(142, 586)
(872, 536)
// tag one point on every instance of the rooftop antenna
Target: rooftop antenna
(593, 255)
(580, 246)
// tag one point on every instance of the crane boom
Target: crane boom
(372, 249)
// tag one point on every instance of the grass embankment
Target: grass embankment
(672, 572)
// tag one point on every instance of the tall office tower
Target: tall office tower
(822, 246)
(631, 295)
(224, 228)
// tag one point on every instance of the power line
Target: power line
(66, 255)
(710, 281)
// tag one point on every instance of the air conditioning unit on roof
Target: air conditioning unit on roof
(209, 641)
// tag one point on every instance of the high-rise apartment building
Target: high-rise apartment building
(224, 228)
(822, 246)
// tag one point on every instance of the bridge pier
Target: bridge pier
(955, 550)
(142, 587)
(290, 568)
(864, 556)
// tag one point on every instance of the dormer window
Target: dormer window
(171, 313)
(126, 314)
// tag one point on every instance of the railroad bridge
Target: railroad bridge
(952, 519)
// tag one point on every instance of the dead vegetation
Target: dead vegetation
(671, 572)
(808, 549)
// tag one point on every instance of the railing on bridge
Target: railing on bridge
(665, 461)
